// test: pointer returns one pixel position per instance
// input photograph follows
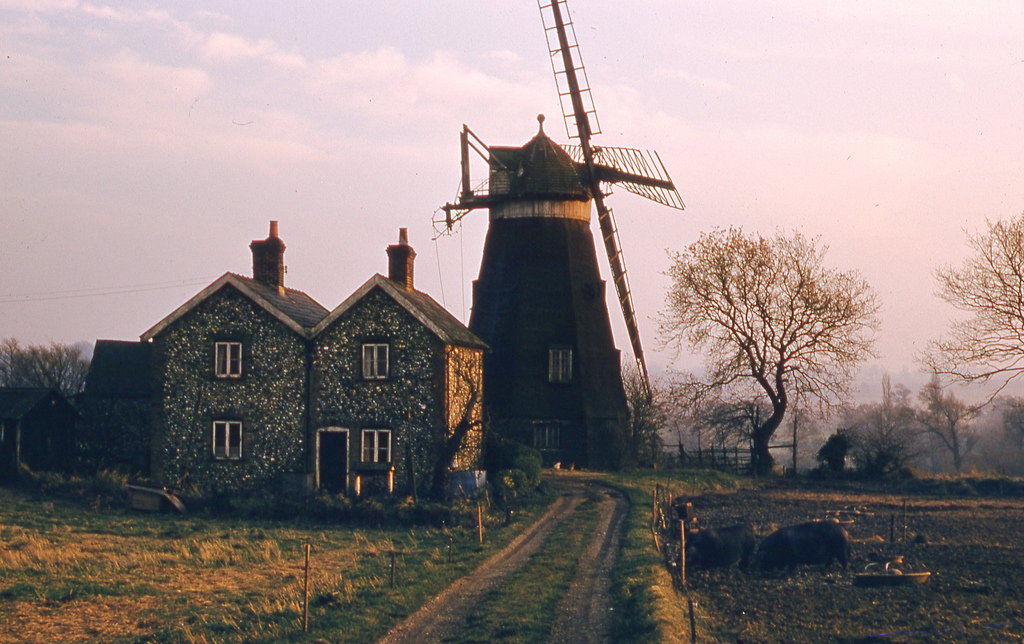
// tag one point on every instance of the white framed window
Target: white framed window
(375, 361)
(547, 436)
(228, 360)
(376, 445)
(227, 439)
(560, 364)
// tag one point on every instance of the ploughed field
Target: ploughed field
(973, 547)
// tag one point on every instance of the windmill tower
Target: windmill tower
(553, 377)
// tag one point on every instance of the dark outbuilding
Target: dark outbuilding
(37, 429)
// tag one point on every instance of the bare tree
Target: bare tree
(990, 288)
(1013, 422)
(647, 416)
(766, 311)
(57, 366)
(948, 420)
(883, 435)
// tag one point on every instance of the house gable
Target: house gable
(294, 309)
(421, 306)
(267, 398)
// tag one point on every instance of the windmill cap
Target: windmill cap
(541, 169)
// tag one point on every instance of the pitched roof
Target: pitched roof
(119, 368)
(296, 310)
(17, 402)
(420, 305)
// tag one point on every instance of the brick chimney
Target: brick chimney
(268, 259)
(400, 259)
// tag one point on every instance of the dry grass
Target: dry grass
(71, 573)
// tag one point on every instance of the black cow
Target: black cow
(721, 548)
(817, 542)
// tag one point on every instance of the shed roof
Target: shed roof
(119, 368)
(18, 402)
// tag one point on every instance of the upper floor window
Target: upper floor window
(227, 439)
(560, 364)
(375, 361)
(376, 445)
(228, 360)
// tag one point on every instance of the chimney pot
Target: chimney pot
(400, 261)
(268, 259)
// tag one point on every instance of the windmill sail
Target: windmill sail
(638, 172)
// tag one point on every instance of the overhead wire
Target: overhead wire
(100, 291)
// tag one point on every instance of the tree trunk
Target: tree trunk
(761, 456)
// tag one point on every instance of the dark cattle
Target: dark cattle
(721, 548)
(817, 542)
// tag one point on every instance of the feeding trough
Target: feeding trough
(153, 499)
(889, 574)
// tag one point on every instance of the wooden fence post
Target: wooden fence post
(305, 595)
(654, 508)
(479, 523)
(392, 568)
(904, 520)
(693, 623)
(682, 553)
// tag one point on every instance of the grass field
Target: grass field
(86, 569)
(72, 573)
(80, 567)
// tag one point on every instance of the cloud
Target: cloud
(229, 48)
(130, 16)
(39, 6)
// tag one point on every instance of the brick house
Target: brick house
(258, 387)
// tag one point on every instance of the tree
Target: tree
(948, 419)
(463, 431)
(989, 287)
(1013, 422)
(832, 455)
(767, 313)
(647, 417)
(57, 366)
(883, 435)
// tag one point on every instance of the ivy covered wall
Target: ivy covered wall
(409, 402)
(269, 398)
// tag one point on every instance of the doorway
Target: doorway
(332, 460)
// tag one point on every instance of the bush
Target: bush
(502, 454)
(510, 485)
(832, 455)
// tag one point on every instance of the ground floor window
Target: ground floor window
(547, 435)
(227, 439)
(376, 445)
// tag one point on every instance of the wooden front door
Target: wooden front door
(332, 460)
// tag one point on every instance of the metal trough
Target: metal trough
(152, 499)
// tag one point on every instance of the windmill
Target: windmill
(539, 294)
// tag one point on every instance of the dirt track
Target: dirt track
(582, 613)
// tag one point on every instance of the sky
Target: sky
(144, 145)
